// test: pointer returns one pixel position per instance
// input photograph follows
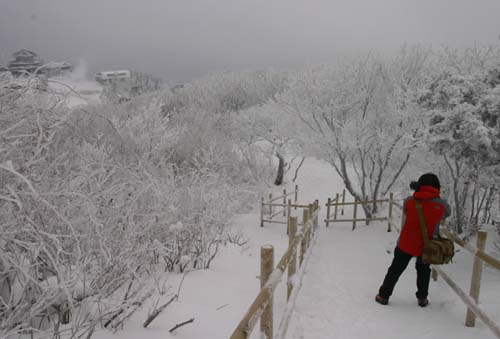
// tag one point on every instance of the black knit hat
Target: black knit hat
(429, 179)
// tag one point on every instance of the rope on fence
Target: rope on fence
(287, 314)
(470, 302)
(251, 317)
(285, 210)
(279, 212)
(475, 251)
(248, 322)
(335, 202)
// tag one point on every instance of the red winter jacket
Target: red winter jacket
(411, 241)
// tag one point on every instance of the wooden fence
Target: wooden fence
(272, 209)
(300, 240)
(470, 300)
(337, 205)
(262, 307)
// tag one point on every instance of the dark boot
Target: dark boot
(423, 302)
(381, 300)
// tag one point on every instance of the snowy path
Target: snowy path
(336, 300)
(344, 273)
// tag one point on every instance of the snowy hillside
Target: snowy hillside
(337, 296)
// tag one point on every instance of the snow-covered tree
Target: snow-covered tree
(463, 105)
(359, 117)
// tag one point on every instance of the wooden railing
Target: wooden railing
(262, 307)
(284, 207)
(470, 300)
(335, 203)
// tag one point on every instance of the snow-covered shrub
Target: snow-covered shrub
(226, 92)
(95, 198)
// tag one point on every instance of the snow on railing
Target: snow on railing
(296, 281)
(262, 305)
(477, 252)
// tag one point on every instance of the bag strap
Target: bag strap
(421, 219)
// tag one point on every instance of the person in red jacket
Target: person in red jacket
(410, 243)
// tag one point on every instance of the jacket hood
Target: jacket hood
(427, 192)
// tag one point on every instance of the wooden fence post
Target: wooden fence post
(266, 268)
(308, 233)
(262, 212)
(475, 285)
(303, 242)
(316, 218)
(328, 211)
(336, 206)
(354, 214)
(284, 202)
(434, 275)
(270, 206)
(490, 323)
(305, 219)
(289, 213)
(391, 200)
(343, 201)
(292, 266)
(303, 248)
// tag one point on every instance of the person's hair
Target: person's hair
(429, 179)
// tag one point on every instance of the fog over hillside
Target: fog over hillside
(183, 40)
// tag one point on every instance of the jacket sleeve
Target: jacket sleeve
(447, 209)
(447, 213)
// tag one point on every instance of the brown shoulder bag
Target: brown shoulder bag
(436, 251)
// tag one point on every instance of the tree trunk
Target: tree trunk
(298, 169)
(281, 170)
(487, 208)
(458, 210)
(368, 212)
(342, 171)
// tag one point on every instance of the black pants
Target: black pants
(399, 263)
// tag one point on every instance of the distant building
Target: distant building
(108, 77)
(28, 62)
(121, 86)
(25, 61)
(56, 69)
(3, 69)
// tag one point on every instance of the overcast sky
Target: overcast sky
(179, 40)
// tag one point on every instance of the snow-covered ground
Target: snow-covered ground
(337, 296)
(77, 92)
